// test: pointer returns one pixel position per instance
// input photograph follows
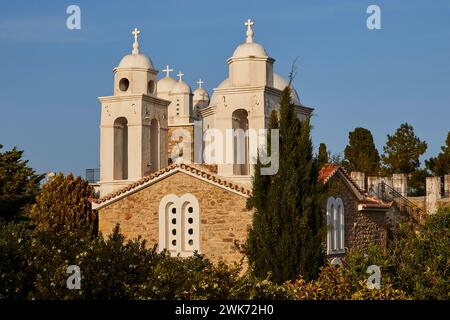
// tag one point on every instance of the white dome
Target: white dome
(280, 83)
(200, 94)
(166, 84)
(181, 87)
(252, 49)
(136, 61)
(224, 84)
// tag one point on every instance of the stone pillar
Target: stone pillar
(372, 185)
(400, 183)
(359, 178)
(447, 186)
(433, 185)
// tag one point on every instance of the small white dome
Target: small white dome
(181, 87)
(136, 61)
(252, 49)
(224, 84)
(200, 94)
(280, 83)
(166, 84)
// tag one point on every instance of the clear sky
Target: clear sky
(51, 76)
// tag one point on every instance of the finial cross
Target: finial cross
(167, 71)
(136, 33)
(249, 24)
(200, 82)
(180, 75)
(250, 32)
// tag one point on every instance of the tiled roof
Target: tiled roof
(327, 171)
(366, 200)
(191, 169)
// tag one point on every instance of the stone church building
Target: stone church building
(156, 182)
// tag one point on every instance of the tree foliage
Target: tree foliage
(403, 150)
(286, 234)
(19, 184)
(64, 203)
(360, 153)
(322, 156)
(440, 165)
(416, 261)
(34, 266)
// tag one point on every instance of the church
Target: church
(176, 165)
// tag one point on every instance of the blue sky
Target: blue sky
(51, 76)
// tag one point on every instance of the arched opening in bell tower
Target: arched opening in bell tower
(154, 145)
(240, 142)
(121, 149)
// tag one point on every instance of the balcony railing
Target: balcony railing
(92, 175)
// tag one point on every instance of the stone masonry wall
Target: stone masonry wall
(361, 228)
(223, 216)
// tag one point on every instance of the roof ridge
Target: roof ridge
(328, 170)
(194, 169)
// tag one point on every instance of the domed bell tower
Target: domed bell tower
(133, 128)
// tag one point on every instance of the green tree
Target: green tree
(440, 165)
(19, 184)
(361, 153)
(417, 182)
(64, 203)
(286, 234)
(322, 157)
(402, 151)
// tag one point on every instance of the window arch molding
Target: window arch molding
(179, 225)
(335, 226)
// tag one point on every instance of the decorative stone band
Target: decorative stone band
(192, 170)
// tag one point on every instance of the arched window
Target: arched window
(240, 142)
(179, 224)
(121, 149)
(335, 226)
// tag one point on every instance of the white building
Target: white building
(148, 124)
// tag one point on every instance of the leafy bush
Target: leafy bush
(64, 203)
(34, 266)
(334, 283)
(416, 261)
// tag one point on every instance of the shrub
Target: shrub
(64, 203)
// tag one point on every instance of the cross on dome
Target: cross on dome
(200, 82)
(167, 71)
(136, 32)
(249, 23)
(180, 75)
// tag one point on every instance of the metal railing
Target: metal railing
(388, 194)
(92, 175)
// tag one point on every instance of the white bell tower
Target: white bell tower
(133, 125)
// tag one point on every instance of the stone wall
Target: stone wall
(223, 216)
(436, 194)
(361, 228)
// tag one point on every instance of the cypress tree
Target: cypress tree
(286, 234)
(361, 153)
(322, 156)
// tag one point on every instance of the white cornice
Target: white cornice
(133, 97)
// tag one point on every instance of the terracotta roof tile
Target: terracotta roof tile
(201, 172)
(369, 201)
